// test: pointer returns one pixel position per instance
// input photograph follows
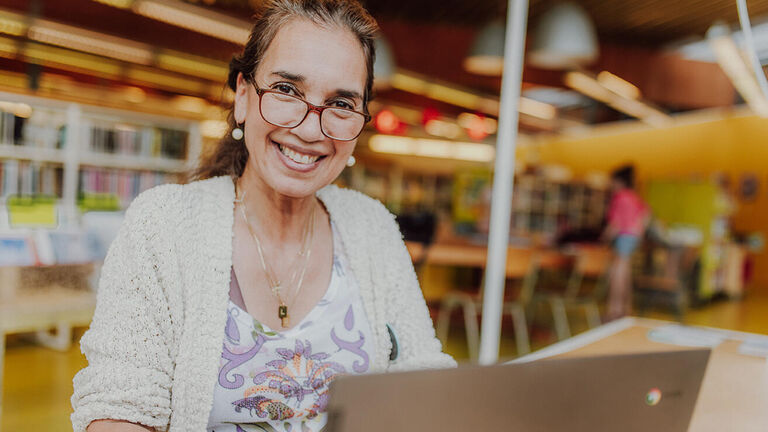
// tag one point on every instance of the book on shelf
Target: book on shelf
(27, 178)
(143, 141)
(10, 177)
(45, 129)
(42, 129)
(124, 185)
(29, 173)
(10, 128)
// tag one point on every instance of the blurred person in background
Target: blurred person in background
(628, 216)
(232, 302)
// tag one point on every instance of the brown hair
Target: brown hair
(230, 156)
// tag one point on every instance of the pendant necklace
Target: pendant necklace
(298, 273)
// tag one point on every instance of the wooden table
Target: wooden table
(51, 308)
(733, 395)
(472, 255)
(464, 255)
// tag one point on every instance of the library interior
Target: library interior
(632, 135)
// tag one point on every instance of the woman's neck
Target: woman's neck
(274, 216)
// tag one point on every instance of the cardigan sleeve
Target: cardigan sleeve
(130, 368)
(408, 315)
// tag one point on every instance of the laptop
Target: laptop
(630, 392)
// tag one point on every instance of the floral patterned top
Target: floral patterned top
(278, 381)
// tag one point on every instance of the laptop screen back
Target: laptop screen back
(635, 392)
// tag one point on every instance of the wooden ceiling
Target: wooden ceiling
(641, 22)
(649, 23)
(652, 22)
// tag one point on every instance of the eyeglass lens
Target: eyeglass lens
(288, 111)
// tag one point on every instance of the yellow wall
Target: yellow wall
(733, 145)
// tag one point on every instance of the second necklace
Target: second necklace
(274, 283)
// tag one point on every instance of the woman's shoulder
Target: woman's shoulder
(153, 202)
(210, 186)
(365, 225)
(157, 213)
(176, 199)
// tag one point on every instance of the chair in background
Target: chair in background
(521, 267)
(591, 262)
(666, 277)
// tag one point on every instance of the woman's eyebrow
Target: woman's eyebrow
(349, 94)
(289, 76)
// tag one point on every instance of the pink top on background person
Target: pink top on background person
(627, 213)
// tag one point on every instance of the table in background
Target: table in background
(38, 312)
(473, 255)
(734, 392)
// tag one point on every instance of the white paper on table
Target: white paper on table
(677, 334)
(754, 346)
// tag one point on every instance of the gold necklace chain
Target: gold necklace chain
(274, 283)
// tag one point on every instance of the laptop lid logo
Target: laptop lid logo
(653, 397)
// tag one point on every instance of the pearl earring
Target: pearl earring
(237, 133)
(351, 161)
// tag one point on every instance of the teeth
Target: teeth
(298, 157)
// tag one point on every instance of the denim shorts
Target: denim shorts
(625, 244)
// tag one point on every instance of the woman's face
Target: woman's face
(324, 66)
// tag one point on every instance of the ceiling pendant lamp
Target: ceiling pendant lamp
(564, 38)
(384, 66)
(486, 57)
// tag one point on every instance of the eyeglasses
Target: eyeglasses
(288, 111)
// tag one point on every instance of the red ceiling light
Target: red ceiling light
(476, 127)
(429, 114)
(387, 122)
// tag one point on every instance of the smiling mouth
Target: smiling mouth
(298, 157)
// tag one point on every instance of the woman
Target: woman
(230, 303)
(627, 219)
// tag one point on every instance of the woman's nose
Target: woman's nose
(310, 129)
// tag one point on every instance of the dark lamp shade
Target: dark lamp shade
(384, 66)
(486, 57)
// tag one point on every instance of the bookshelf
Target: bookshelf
(542, 205)
(75, 152)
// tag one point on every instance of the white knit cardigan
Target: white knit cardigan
(154, 345)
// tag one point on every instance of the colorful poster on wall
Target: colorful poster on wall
(471, 199)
